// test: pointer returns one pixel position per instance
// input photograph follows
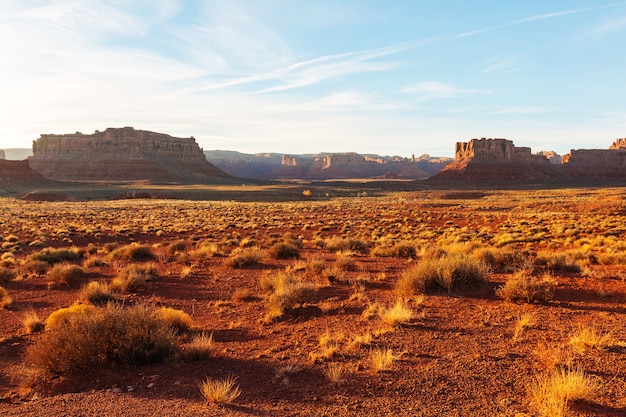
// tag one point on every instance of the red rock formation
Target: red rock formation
(496, 150)
(618, 144)
(18, 174)
(122, 155)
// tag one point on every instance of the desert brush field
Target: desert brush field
(425, 303)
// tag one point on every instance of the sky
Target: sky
(395, 77)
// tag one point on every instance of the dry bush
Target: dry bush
(551, 393)
(449, 272)
(177, 319)
(345, 262)
(361, 340)
(283, 250)
(336, 244)
(557, 262)
(396, 315)
(134, 277)
(7, 274)
(131, 253)
(329, 346)
(588, 338)
(5, 300)
(114, 335)
(220, 391)
(32, 323)
(35, 267)
(200, 346)
(178, 246)
(243, 294)
(404, 250)
(63, 315)
(521, 286)
(96, 293)
(206, 250)
(502, 259)
(552, 356)
(286, 292)
(94, 262)
(523, 322)
(64, 274)
(54, 256)
(244, 258)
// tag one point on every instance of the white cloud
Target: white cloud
(501, 65)
(523, 110)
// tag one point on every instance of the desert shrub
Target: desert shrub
(220, 391)
(522, 286)
(54, 256)
(588, 338)
(134, 277)
(345, 263)
(200, 346)
(612, 258)
(551, 393)
(178, 246)
(64, 315)
(94, 262)
(32, 323)
(132, 253)
(7, 274)
(244, 258)
(502, 259)
(286, 292)
(64, 274)
(175, 318)
(450, 272)
(114, 335)
(5, 300)
(560, 262)
(206, 250)
(397, 314)
(96, 293)
(404, 250)
(382, 358)
(335, 244)
(242, 294)
(283, 250)
(35, 267)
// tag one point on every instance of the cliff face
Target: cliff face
(121, 155)
(2, 154)
(325, 166)
(496, 150)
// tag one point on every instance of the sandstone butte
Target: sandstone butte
(500, 161)
(122, 154)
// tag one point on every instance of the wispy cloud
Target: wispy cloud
(534, 18)
(523, 110)
(501, 65)
(433, 89)
(607, 28)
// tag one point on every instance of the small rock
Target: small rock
(116, 390)
(130, 388)
(151, 385)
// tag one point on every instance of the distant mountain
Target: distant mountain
(17, 154)
(324, 166)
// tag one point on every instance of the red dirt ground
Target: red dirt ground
(456, 358)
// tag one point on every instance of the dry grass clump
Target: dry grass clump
(64, 274)
(220, 391)
(32, 323)
(175, 318)
(382, 358)
(405, 250)
(96, 293)
(337, 244)
(64, 315)
(54, 256)
(329, 346)
(105, 336)
(134, 277)
(396, 315)
(286, 291)
(131, 253)
(200, 346)
(523, 322)
(35, 267)
(178, 246)
(588, 338)
(283, 250)
(557, 262)
(334, 372)
(552, 393)
(522, 286)
(449, 272)
(7, 274)
(502, 259)
(345, 262)
(361, 340)
(244, 258)
(206, 250)
(5, 300)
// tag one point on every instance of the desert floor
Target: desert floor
(464, 352)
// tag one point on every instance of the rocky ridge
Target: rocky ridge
(123, 154)
(324, 166)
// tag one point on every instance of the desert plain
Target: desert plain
(414, 303)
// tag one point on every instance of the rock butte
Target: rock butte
(499, 160)
(123, 154)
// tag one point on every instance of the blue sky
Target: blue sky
(386, 77)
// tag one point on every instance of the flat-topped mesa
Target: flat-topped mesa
(122, 154)
(496, 151)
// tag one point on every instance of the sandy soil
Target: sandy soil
(457, 357)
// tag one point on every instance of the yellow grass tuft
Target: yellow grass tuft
(220, 391)
(551, 393)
